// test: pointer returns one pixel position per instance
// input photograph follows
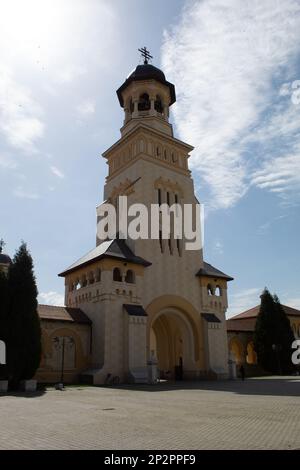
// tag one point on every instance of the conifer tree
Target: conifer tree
(24, 332)
(3, 318)
(273, 336)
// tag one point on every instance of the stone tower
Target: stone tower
(150, 299)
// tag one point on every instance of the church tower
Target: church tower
(150, 300)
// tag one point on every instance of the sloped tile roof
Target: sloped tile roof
(254, 311)
(135, 310)
(211, 271)
(66, 314)
(247, 324)
(116, 248)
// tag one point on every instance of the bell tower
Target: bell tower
(146, 96)
(150, 298)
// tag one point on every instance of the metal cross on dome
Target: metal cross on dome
(145, 54)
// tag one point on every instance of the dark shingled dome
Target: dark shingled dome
(4, 259)
(147, 72)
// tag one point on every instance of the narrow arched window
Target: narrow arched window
(98, 275)
(218, 291)
(117, 275)
(144, 102)
(130, 277)
(158, 104)
(210, 289)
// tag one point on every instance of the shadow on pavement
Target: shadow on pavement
(18, 393)
(274, 386)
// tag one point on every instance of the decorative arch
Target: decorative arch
(79, 355)
(210, 289)
(251, 354)
(236, 348)
(186, 311)
(218, 291)
(144, 102)
(130, 276)
(117, 276)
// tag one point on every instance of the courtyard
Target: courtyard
(260, 413)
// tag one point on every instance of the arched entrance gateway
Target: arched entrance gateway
(175, 338)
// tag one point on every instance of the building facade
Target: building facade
(150, 300)
(134, 305)
(240, 330)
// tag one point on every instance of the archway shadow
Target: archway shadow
(272, 386)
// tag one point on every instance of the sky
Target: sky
(236, 68)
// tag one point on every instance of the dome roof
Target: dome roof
(4, 259)
(146, 72)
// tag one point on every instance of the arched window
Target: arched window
(210, 289)
(130, 277)
(144, 102)
(158, 104)
(117, 275)
(218, 291)
(251, 357)
(98, 275)
(91, 277)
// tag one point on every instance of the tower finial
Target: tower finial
(145, 54)
(1, 245)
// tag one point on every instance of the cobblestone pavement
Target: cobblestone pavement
(261, 413)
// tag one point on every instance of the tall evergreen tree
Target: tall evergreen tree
(3, 318)
(24, 335)
(285, 337)
(273, 336)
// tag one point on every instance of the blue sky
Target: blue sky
(235, 65)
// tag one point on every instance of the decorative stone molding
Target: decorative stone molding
(167, 184)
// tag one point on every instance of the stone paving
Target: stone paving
(260, 413)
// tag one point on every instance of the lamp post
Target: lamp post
(61, 345)
(277, 348)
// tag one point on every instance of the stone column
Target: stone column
(166, 112)
(152, 109)
(135, 113)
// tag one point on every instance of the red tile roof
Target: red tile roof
(247, 324)
(245, 321)
(253, 312)
(66, 314)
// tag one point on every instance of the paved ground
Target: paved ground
(259, 413)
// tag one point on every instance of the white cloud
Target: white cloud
(224, 56)
(279, 175)
(57, 172)
(292, 302)
(51, 298)
(7, 162)
(243, 300)
(24, 193)
(86, 108)
(20, 115)
(67, 74)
